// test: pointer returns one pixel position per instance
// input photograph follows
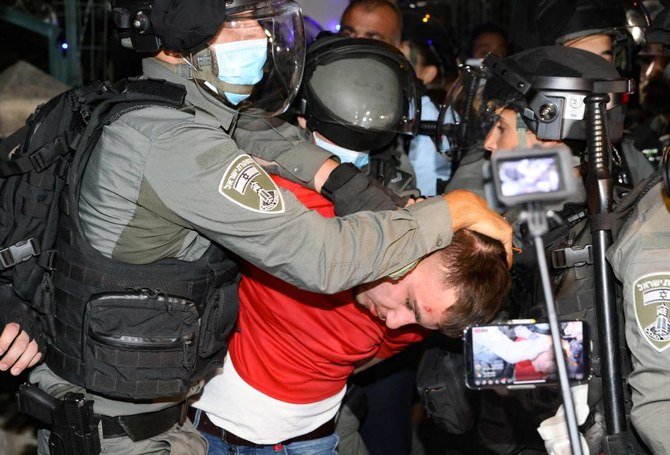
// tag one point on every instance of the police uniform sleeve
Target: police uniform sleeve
(200, 174)
(469, 175)
(639, 258)
(283, 145)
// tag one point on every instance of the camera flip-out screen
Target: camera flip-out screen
(529, 175)
(533, 175)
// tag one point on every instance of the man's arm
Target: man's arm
(282, 148)
(197, 177)
(515, 351)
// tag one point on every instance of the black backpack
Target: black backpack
(37, 162)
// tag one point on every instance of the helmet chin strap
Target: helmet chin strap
(204, 72)
(521, 131)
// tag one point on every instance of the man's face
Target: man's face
(239, 31)
(598, 44)
(489, 42)
(380, 23)
(654, 90)
(419, 297)
(503, 135)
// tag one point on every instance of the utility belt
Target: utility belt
(74, 425)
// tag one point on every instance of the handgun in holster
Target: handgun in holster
(73, 425)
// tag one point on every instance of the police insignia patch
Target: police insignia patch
(248, 185)
(651, 295)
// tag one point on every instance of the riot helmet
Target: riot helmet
(609, 28)
(358, 92)
(546, 86)
(247, 54)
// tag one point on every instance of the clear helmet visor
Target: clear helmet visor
(461, 114)
(255, 62)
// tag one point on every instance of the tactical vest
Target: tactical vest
(384, 167)
(135, 332)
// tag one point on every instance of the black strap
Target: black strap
(625, 208)
(12, 141)
(19, 252)
(139, 427)
(563, 258)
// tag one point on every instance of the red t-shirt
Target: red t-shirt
(298, 346)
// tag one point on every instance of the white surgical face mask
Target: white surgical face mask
(241, 63)
(358, 159)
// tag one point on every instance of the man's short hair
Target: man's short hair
(483, 29)
(475, 266)
(371, 5)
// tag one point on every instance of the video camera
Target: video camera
(529, 176)
(534, 178)
(132, 19)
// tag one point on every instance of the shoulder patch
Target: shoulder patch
(651, 296)
(247, 184)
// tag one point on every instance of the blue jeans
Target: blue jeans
(321, 446)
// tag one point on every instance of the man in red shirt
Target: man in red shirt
(285, 374)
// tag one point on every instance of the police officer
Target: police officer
(356, 97)
(613, 30)
(639, 259)
(536, 98)
(605, 28)
(143, 294)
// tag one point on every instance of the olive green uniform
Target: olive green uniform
(163, 183)
(641, 261)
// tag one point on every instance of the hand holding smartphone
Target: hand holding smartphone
(521, 354)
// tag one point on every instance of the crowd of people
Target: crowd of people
(320, 206)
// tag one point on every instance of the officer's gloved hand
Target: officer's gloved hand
(22, 340)
(351, 191)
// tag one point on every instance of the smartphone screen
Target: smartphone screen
(522, 354)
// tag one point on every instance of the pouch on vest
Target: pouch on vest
(218, 320)
(441, 385)
(139, 345)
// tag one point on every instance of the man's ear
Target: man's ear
(404, 48)
(532, 139)
(427, 74)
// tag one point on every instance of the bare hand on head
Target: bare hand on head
(469, 211)
(412, 201)
(17, 350)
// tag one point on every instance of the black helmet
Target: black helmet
(358, 93)
(175, 25)
(659, 30)
(560, 21)
(547, 87)
(564, 21)
(265, 86)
